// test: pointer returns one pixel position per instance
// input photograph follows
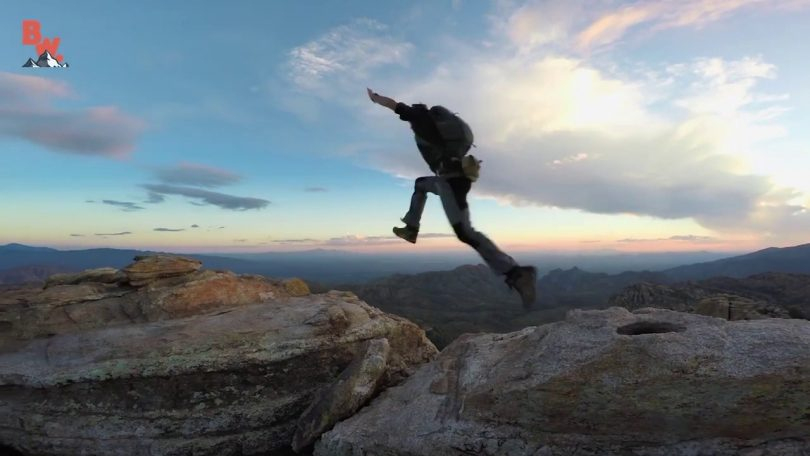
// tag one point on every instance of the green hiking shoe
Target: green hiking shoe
(524, 280)
(408, 233)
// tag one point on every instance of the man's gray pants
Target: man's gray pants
(453, 193)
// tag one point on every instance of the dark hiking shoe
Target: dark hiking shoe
(408, 233)
(523, 279)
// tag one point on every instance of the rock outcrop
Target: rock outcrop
(151, 289)
(163, 358)
(770, 295)
(611, 382)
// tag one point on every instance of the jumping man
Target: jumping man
(444, 139)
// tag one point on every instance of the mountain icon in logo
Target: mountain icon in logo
(45, 60)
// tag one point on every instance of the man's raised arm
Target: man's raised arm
(381, 100)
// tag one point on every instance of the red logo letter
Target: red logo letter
(30, 32)
(52, 47)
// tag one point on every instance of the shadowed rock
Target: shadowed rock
(356, 384)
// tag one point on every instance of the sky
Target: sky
(244, 126)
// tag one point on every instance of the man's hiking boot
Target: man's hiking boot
(523, 279)
(408, 233)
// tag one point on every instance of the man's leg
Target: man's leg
(421, 187)
(454, 201)
(459, 219)
(412, 219)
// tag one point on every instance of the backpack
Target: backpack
(457, 135)
(458, 138)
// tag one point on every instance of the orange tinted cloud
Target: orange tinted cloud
(663, 14)
(612, 26)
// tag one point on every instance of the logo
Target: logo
(47, 48)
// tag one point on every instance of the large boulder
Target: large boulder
(217, 384)
(204, 363)
(611, 382)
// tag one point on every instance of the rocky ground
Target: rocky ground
(165, 358)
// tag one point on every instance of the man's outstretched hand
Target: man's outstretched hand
(381, 100)
(373, 96)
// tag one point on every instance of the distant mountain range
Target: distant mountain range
(786, 259)
(26, 263)
(330, 266)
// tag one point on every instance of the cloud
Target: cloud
(125, 206)
(657, 15)
(581, 26)
(122, 233)
(539, 23)
(295, 241)
(209, 198)
(684, 238)
(355, 239)
(315, 189)
(195, 226)
(196, 175)
(693, 238)
(77, 235)
(169, 229)
(155, 198)
(556, 128)
(27, 111)
(345, 54)
(557, 131)
(436, 235)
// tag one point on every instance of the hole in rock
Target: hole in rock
(649, 327)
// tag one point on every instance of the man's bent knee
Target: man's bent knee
(465, 234)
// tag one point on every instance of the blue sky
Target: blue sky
(244, 126)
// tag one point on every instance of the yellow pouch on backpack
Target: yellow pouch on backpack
(471, 167)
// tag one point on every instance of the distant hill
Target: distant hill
(786, 259)
(30, 274)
